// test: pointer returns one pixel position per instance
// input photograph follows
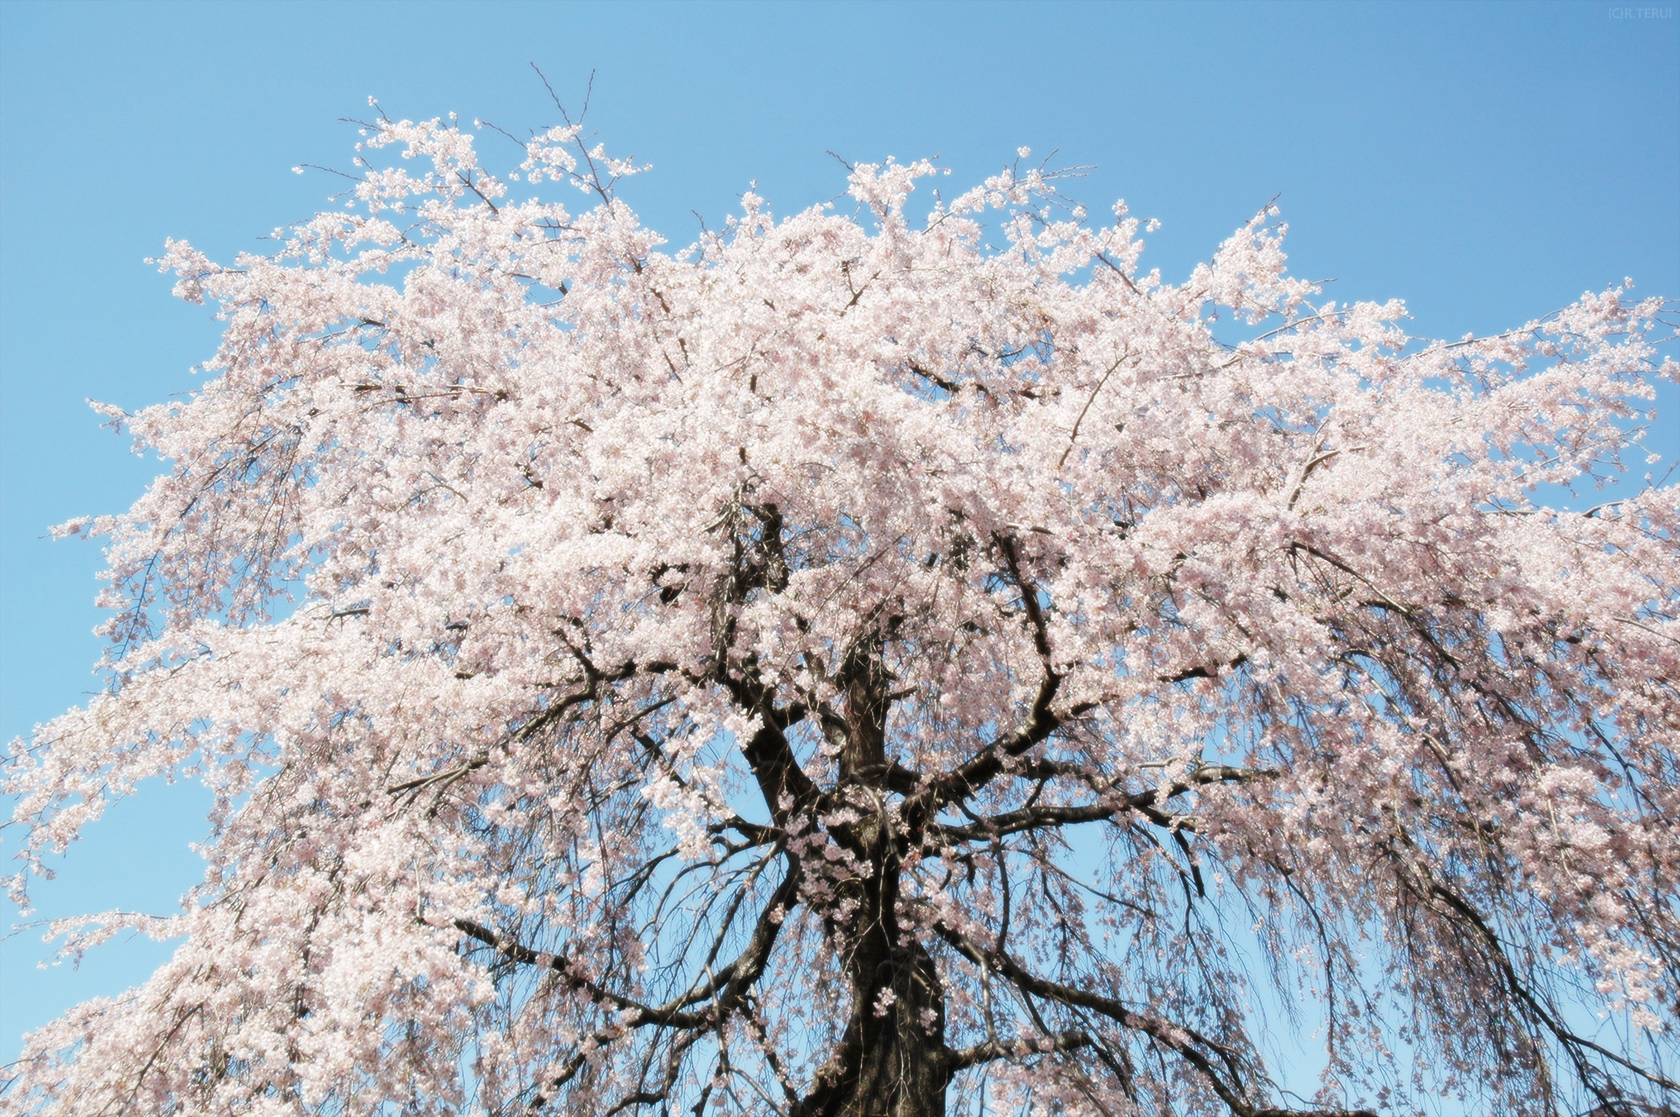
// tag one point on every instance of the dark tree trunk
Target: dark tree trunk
(891, 1060)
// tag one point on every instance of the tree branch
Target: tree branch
(992, 1050)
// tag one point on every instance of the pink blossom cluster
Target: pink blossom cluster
(865, 660)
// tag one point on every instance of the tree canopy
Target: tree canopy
(865, 665)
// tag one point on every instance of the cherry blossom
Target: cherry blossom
(862, 664)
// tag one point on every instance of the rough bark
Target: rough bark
(891, 1060)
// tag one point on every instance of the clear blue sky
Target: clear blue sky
(1487, 163)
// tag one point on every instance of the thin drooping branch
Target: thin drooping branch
(1195, 1049)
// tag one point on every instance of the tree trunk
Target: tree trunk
(891, 1060)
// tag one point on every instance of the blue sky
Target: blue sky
(1487, 163)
